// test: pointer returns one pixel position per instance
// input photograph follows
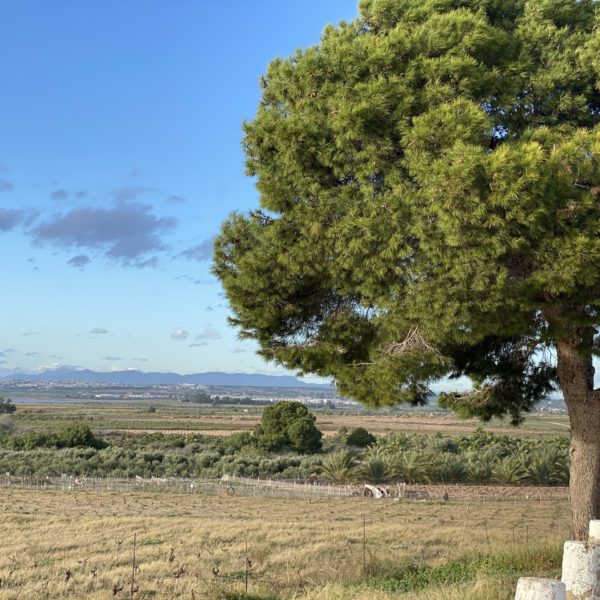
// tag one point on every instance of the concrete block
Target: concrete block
(536, 588)
(594, 536)
(581, 571)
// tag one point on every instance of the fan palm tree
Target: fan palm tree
(509, 471)
(339, 467)
(480, 466)
(414, 466)
(546, 467)
(451, 469)
(375, 470)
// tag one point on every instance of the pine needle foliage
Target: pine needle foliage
(429, 179)
(429, 183)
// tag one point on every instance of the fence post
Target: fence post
(581, 566)
(580, 573)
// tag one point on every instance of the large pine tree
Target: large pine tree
(429, 177)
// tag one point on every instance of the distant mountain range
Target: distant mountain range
(134, 377)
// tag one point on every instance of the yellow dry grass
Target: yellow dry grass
(79, 544)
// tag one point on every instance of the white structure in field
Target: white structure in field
(580, 573)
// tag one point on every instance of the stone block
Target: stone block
(536, 588)
(581, 571)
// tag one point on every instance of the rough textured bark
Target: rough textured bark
(576, 378)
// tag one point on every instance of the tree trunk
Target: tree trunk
(576, 378)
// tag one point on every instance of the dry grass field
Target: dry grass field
(80, 545)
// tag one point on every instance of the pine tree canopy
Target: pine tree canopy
(429, 179)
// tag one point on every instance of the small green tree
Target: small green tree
(304, 437)
(360, 438)
(288, 423)
(78, 435)
(6, 425)
(6, 406)
(342, 434)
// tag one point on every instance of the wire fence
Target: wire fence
(232, 485)
(227, 485)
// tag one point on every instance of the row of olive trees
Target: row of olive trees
(548, 466)
(178, 462)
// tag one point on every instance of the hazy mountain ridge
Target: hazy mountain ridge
(135, 377)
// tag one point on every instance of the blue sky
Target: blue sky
(120, 130)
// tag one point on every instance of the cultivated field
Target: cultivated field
(178, 417)
(80, 545)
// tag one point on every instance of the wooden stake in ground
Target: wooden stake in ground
(364, 544)
(246, 569)
(134, 589)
